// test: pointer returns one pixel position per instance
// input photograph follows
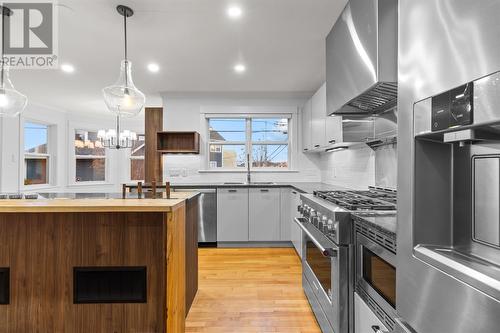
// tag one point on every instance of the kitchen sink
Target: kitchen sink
(252, 183)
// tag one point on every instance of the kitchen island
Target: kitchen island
(93, 265)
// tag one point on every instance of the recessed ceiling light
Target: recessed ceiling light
(234, 12)
(154, 68)
(67, 68)
(240, 68)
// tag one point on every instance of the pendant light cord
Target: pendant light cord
(125, 30)
(126, 55)
(3, 45)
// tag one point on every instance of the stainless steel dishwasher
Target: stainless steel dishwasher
(207, 215)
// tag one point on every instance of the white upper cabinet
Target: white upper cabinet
(318, 118)
(306, 126)
(319, 130)
(333, 133)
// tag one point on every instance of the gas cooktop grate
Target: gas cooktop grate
(359, 200)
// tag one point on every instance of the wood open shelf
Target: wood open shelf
(178, 142)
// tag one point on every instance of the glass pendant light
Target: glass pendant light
(12, 102)
(123, 98)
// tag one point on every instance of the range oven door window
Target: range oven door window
(381, 275)
(376, 272)
(320, 265)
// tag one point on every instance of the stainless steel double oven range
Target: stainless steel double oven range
(328, 259)
(375, 271)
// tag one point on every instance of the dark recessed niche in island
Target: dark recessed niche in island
(110, 285)
(4, 285)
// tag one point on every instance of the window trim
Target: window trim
(73, 157)
(249, 143)
(49, 156)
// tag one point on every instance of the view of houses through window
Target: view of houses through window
(137, 159)
(90, 157)
(36, 153)
(265, 139)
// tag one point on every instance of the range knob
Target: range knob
(323, 223)
(330, 227)
(316, 220)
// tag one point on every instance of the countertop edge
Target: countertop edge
(91, 205)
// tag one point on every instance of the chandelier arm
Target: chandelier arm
(117, 132)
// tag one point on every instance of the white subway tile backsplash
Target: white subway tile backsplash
(360, 167)
(354, 167)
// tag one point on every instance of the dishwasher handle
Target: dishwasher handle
(327, 252)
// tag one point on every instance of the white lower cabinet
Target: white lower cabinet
(285, 216)
(295, 232)
(264, 214)
(364, 318)
(232, 215)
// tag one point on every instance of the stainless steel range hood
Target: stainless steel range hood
(361, 58)
(375, 131)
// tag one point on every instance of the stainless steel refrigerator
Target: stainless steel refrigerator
(448, 277)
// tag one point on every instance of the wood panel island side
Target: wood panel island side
(93, 265)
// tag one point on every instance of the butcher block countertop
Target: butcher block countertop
(111, 204)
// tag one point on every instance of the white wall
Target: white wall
(356, 167)
(61, 144)
(182, 112)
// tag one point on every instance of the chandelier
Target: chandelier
(114, 139)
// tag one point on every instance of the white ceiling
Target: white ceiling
(282, 43)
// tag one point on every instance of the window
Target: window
(36, 154)
(137, 159)
(265, 139)
(269, 143)
(90, 157)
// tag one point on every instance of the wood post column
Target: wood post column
(153, 165)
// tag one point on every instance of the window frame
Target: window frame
(48, 156)
(74, 157)
(249, 142)
(130, 158)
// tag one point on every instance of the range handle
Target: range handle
(401, 326)
(327, 252)
(377, 329)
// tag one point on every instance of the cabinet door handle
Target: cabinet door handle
(331, 141)
(315, 286)
(316, 146)
(232, 191)
(294, 192)
(264, 190)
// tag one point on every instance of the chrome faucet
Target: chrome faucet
(249, 179)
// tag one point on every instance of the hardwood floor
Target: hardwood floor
(250, 290)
